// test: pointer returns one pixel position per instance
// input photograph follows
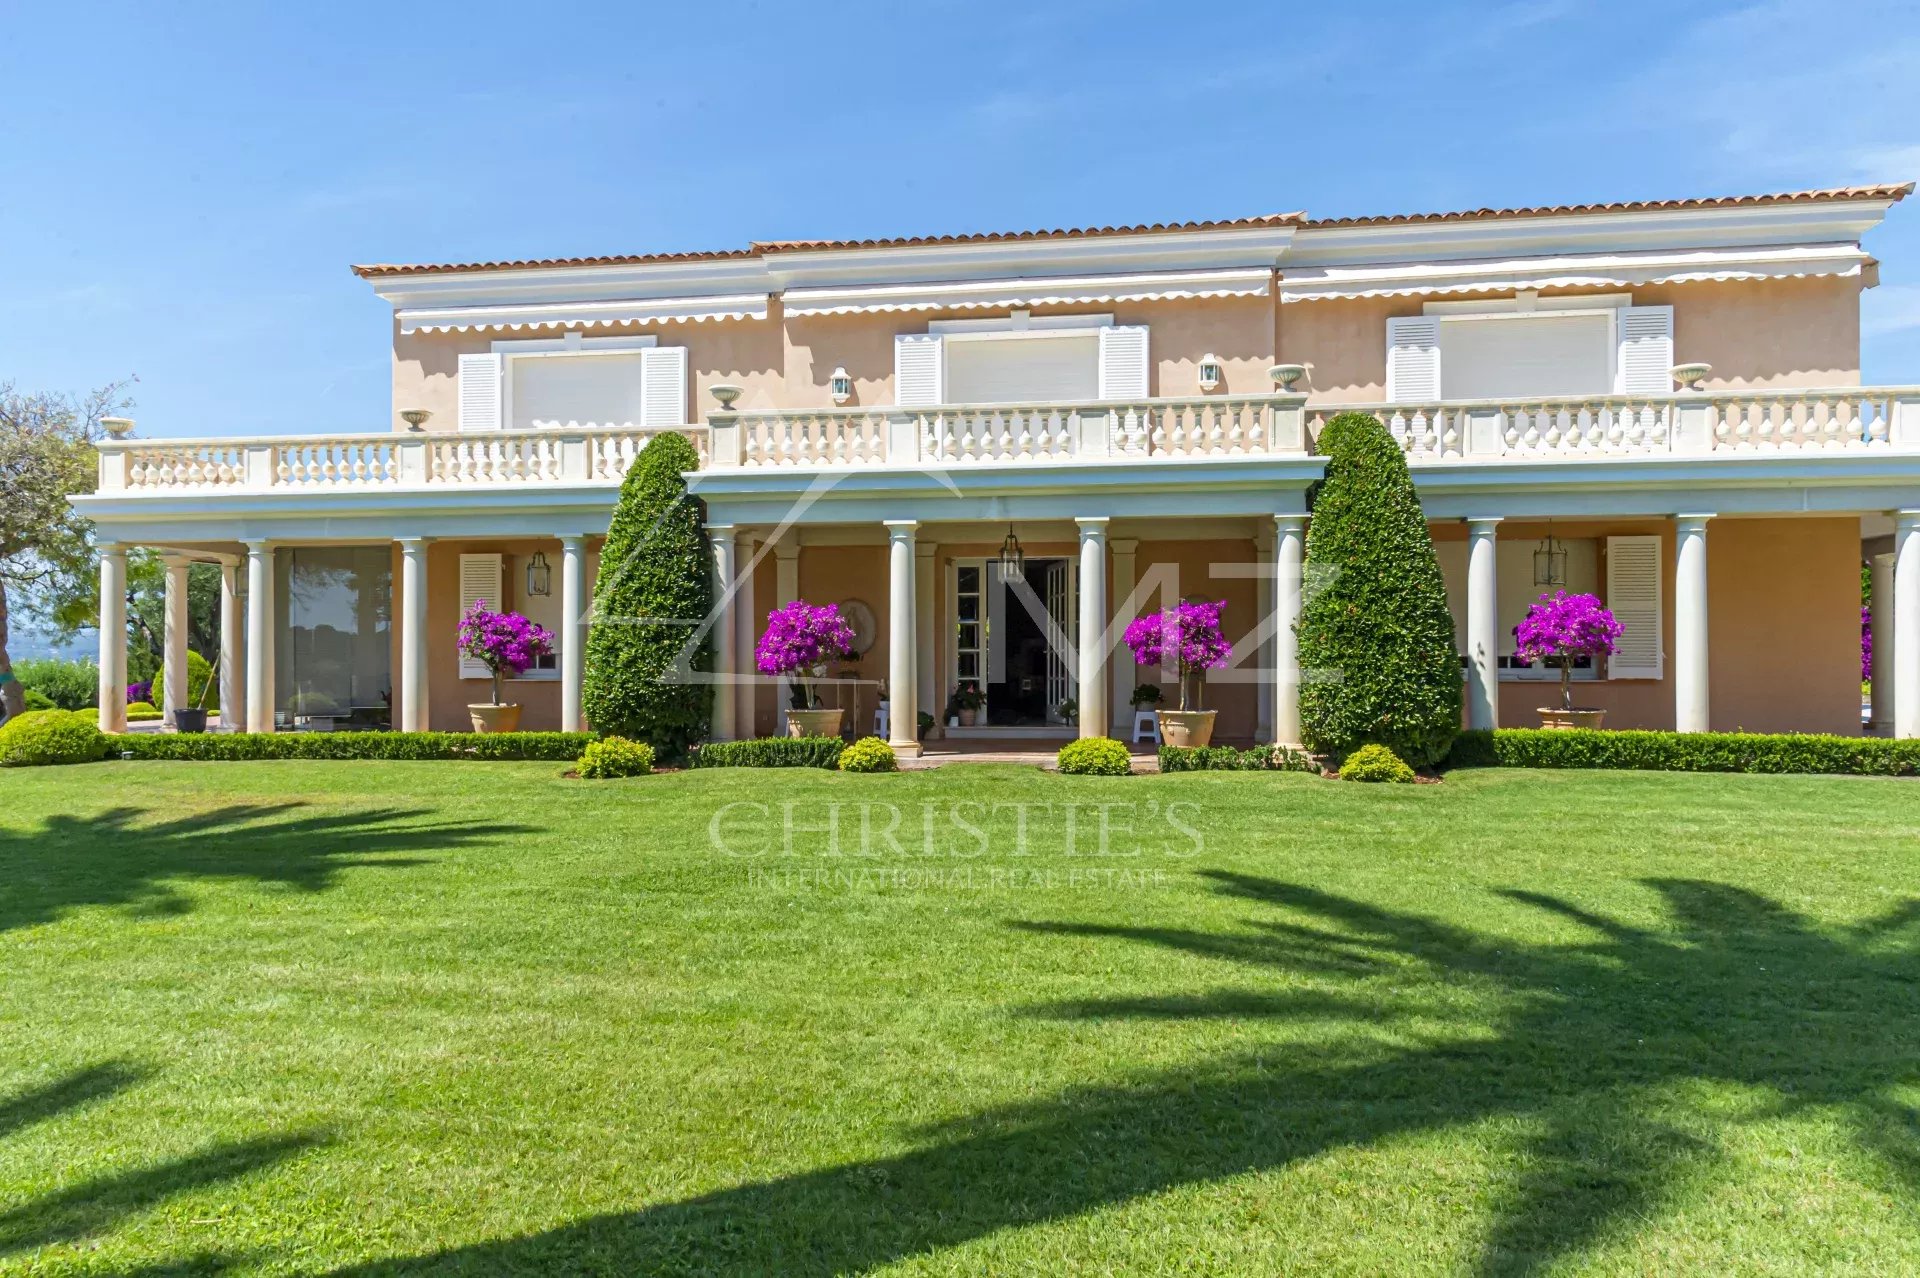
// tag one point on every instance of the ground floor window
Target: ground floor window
(333, 618)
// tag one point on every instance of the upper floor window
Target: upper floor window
(574, 381)
(1530, 347)
(1021, 359)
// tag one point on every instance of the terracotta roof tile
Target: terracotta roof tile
(763, 248)
(1830, 194)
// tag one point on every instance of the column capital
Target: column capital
(176, 562)
(566, 539)
(1091, 525)
(1289, 523)
(925, 549)
(1123, 545)
(1907, 520)
(900, 525)
(258, 545)
(714, 530)
(1481, 523)
(1692, 522)
(413, 545)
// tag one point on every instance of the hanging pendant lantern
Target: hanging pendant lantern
(539, 576)
(1013, 560)
(1550, 561)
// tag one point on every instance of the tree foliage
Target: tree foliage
(1376, 639)
(655, 592)
(46, 456)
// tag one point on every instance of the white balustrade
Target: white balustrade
(813, 437)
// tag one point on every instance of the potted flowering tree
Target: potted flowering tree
(1187, 636)
(800, 640)
(1560, 630)
(507, 643)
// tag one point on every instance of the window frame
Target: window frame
(572, 344)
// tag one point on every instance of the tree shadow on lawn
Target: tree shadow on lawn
(92, 1207)
(119, 857)
(1590, 1045)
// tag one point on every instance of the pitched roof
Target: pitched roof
(1885, 191)
(765, 248)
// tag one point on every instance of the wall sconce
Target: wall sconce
(1209, 371)
(539, 576)
(840, 386)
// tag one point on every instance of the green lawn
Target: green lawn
(394, 1019)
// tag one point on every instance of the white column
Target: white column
(1880, 614)
(412, 711)
(903, 602)
(113, 637)
(1261, 659)
(573, 631)
(1690, 623)
(233, 711)
(744, 624)
(1124, 674)
(1906, 624)
(786, 589)
(173, 640)
(1093, 623)
(259, 636)
(926, 581)
(1483, 625)
(1289, 558)
(721, 728)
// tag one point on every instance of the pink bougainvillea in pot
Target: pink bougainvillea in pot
(507, 644)
(1562, 630)
(800, 640)
(1188, 638)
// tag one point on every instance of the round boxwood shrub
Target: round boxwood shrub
(51, 736)
(868, 754)
(141, 712)
(612, 757)
(1375, 763)
(1376, 639)
(200, 683)
(1095, 756)
(655, 588)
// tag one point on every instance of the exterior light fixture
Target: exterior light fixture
(1209, 371)
(415, 418)
(539, 576)
(840, 386)
(1550, 561)
(118, 427)
(1013, 560)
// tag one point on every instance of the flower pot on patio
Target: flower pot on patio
(1579, 717)
(495, 718)
(814, 723)
(967, 716)
(185, 720)
(1184, 729)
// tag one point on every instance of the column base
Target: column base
(906, 749)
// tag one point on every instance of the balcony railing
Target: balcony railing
(1830, 421)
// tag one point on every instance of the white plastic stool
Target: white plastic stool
(1146, 724)
(882, 720)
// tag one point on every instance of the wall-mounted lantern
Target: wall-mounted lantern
(539, 576)
(1550, 561)
(1209, 371)
(840, 386)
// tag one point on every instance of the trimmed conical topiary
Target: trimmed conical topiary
(1376, 639)
(655, 588)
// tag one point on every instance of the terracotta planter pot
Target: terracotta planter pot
(1576, 718)
(967, 717)
(814, 723)
(1184, 729)
(492, 718)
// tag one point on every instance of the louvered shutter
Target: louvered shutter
(480, 392)
(480, 579)
(663, 386)
(1123, 361)
(919, 367)
(1413, 359)
(1645, 365)
(1633, 596)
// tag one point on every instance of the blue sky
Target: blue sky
(185, 188)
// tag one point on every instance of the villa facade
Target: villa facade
(1659, 402)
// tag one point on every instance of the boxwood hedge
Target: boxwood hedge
(1685, 751)
(556, 747)
(771, 752)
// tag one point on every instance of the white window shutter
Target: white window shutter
(481, 577)
(1413, 359)
(919, 368)
(480, 392)
(1123, 361)
(663, 386)
(1633, 596)
(1645, 366)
